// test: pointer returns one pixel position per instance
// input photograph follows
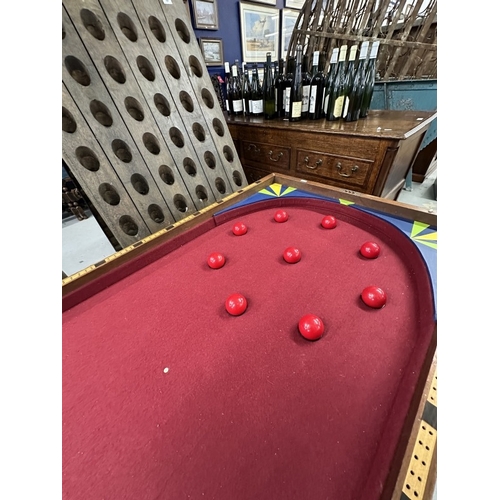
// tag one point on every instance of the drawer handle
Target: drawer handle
(254, 148)
(280, 154)
(318, 163)
(353, 170)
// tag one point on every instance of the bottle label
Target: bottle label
(296, 109)
(257, 107)
(275, 100)
(312, 98)
(238, 105)
(346, 106)
(337, 107)
(286, 100)
(325, 106)
(250, 105)
(305, 99)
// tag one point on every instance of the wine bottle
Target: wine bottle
(297, 90)
(256, 94)
(246, 91)
(316, 89)
(278, 90)
(357, 89)
(337, 95)
(369, 80)
(235, 94)
(349, 79)
(287, 87)
(228, 84)
(332, 71)
(268, 89)
(306, 82)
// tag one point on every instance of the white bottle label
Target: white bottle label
(275, 100)
(337, 107)
(257, 107)
(296, 109)
(325, 105)
(238, 106)
(305, 99)
(312, 98)
(286, 100)
(346, 106)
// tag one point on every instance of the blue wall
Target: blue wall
(229, 30)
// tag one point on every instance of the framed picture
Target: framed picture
(295, 4)
(268, 2)
(211, 48)
(259, 32)
(289, 17)
(205, 14)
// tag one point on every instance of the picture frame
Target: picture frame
(259, 26)
(212, 51)
(295, 4)
(288, 20)
(205, 14)
(268, 2)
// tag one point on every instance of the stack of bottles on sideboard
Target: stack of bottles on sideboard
(290, 90)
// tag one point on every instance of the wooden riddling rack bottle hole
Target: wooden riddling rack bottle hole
(142, 133)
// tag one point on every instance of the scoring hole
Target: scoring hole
(173, 67)
(195, 66)
(127, 26)
(166, 174)
(237, 178)
(92, 24)
(218, 127)
(139, 183)
(198, 131)
(115, 69)
(182, 30)
(189, 167)
(134, 108)
(128, 225)
(109, 194)
(68, 122)
(209, 159)
(87, 158)
(162, 104)
(186, 101)
(156, 213)
(180, 203)
(151, 143)
(228, 153)
(177, 137)
(157, 29)
(101, 113)
(201, 193)
(220, 185)
(77, 70)
(146, 68)
(207, 98)
(121, 150)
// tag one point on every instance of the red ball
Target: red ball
(236, 304)
(329, 222)
(311, 327)
(280, 216)
(374, 296)
(239, 229)
(370, 250)
(216, 260)
(292, 255)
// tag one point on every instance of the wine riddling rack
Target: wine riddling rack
(143, 133)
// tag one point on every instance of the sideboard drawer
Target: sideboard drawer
(266, 154)
(353, 171)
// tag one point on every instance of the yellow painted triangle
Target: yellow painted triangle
(417, 228)
(276, 188)
(431, 236)
(346, 202)
(429, 244)
(288, 190)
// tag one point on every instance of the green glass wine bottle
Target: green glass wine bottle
(246, 91)
(256, 95)
(337, 94)
(369, 80)
(235, 94)
(316, 89)
(358, 86)
(306, 83)
(268, 89)
(297, 89)
(330, 80)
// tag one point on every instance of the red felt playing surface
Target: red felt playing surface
(247, 407)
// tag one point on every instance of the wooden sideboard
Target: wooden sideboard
(372, 155)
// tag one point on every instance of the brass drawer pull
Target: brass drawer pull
(253, 148)
(318, 163)
(353, 170)
(275, 159)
